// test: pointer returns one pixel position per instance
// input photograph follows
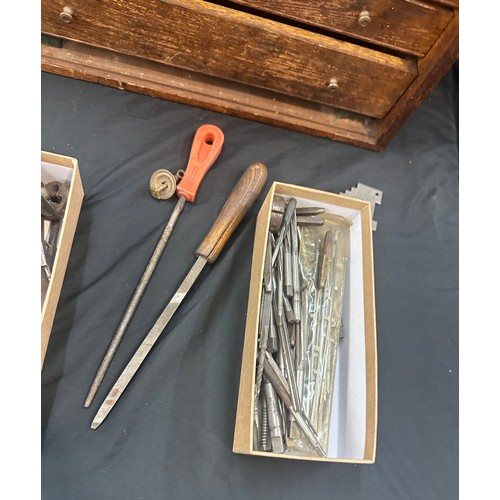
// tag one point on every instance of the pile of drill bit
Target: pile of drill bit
(297, 338)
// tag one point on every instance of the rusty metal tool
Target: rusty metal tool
(282, 388)
(237, 205)
(206, 147)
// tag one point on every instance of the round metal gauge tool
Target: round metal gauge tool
(162, 184)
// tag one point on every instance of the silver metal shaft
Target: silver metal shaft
(280, 385)
(290, 208)
(284, 343)
(148, 342)
(265, 317)
(295, 268)
(287, 265)
(276, 430)
(134, 301)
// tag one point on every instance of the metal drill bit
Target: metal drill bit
(325, 259)
(273, 418)
(301, 348)
(282, 408)
(256, 427)
(287, 265)
(293, 333)
(325, 383)
(323, 325)
(309, 431)
(280, 384)
(322, 273)
(295, 268)
(310, 221)
(261, 318)
(278, 287)
(306, 211)
(272, 341)
(294, 427)
(289, 210)
(265, 316)
(264, 338)
(299, 375)
(287, 356)
(268, 269)
(290, 316)
(277, 378)
(265, 443)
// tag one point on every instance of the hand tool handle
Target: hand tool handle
(237, 205)
(207, 145)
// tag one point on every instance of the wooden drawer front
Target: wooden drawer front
(409, 26)
(217, 41)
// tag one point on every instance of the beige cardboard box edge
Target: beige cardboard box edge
(243, 434)
(68, 228)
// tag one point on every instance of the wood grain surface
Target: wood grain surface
(403, 25)
(236, 46)
(431, 70)
(133, 74)
(237, 205)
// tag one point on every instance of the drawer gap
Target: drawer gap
(51, 41)
(309, 27)
(142, 76)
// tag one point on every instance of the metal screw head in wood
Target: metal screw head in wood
(364, 19)
(66, 16)
(333, 85)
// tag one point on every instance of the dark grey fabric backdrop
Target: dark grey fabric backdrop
(170, 435)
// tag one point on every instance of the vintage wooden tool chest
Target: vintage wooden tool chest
(349, 70)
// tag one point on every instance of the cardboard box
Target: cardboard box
(353, 427)
(61, 168)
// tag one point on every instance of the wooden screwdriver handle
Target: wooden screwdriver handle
(237, 205)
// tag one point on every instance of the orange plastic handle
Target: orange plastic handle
(207, 145)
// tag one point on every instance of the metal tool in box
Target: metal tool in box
(296, 374)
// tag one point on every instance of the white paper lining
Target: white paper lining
(348, 420)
